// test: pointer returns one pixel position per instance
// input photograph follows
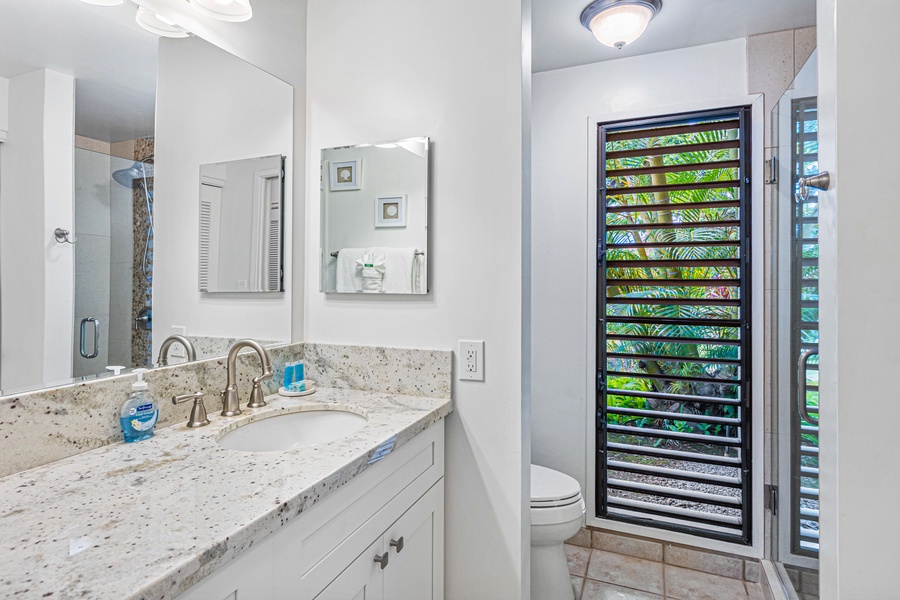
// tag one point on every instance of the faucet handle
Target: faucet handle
(198, 416)
(256, 394)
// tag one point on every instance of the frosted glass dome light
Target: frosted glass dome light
(225, 10)
(158, 24)
(617, 23)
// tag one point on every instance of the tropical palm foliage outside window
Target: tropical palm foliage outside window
(673, 336)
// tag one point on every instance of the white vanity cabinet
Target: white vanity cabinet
(329, 551)
(401, 564)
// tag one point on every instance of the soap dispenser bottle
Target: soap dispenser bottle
(139, 413)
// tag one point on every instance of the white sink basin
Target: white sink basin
(285, 431)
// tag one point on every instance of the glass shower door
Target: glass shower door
(796, 281)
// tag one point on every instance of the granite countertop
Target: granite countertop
(150, 519)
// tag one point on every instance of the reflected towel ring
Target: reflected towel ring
(62, 236)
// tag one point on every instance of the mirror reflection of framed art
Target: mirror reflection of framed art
(390, 211)
(345, 175)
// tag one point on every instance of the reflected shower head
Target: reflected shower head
(138, 170)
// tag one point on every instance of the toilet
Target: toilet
(557, 513)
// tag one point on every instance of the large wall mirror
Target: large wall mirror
(103, 131)
(374, 227)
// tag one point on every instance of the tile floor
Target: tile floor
(601, 575)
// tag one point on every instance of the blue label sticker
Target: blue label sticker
(383, 450)
(144, 407)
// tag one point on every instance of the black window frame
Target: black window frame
(602, 509)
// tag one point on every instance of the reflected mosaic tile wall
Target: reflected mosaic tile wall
(142, 340)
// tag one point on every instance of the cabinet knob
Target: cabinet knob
(382, 559)
(398, 544)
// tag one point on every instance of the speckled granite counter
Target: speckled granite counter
(148, 520)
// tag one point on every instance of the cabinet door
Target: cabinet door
(247, 576)
(415, 571)
(362, 580)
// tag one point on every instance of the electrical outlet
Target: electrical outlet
(471, 360)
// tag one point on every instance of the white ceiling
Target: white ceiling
(112, 59)
(559, 40)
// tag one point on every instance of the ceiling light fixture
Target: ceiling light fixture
(225, 10)
(104, 2)
(617, 23)
(158, 24)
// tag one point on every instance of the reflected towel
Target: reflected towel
(400, 271)
(371, 268)
(420, 275)
(348, 279)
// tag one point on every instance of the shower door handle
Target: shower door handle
(96, 323)
(801, 384)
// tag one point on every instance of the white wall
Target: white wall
(35, 198)
(211, 107)
(563, 239)
(4, 107)
(860, 287)
(235, 218)
(452, 71)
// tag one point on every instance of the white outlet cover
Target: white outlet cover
(470, 363)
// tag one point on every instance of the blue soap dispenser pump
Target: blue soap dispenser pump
(139, 413)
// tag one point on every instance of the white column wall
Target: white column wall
(36, 197)
(451, 71)
(59, 200)
(860, 288)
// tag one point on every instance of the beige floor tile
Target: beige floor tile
(578, 559)
(708, 562)
(577, 586)
(626, 571)
(685, 584)
(597, 590)
(613, 542)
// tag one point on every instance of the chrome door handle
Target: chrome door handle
(398, 544)
(96, 351)
(820, 181)
(801, 384)
(383, 559)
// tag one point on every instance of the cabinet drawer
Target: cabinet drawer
(320, 543)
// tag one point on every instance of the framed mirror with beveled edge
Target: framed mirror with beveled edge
(374, 218)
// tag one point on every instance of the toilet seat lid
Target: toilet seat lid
(552, 487)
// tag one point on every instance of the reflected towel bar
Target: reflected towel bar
(418, 253)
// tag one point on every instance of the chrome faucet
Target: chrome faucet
(231, 404)
(163, 359)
